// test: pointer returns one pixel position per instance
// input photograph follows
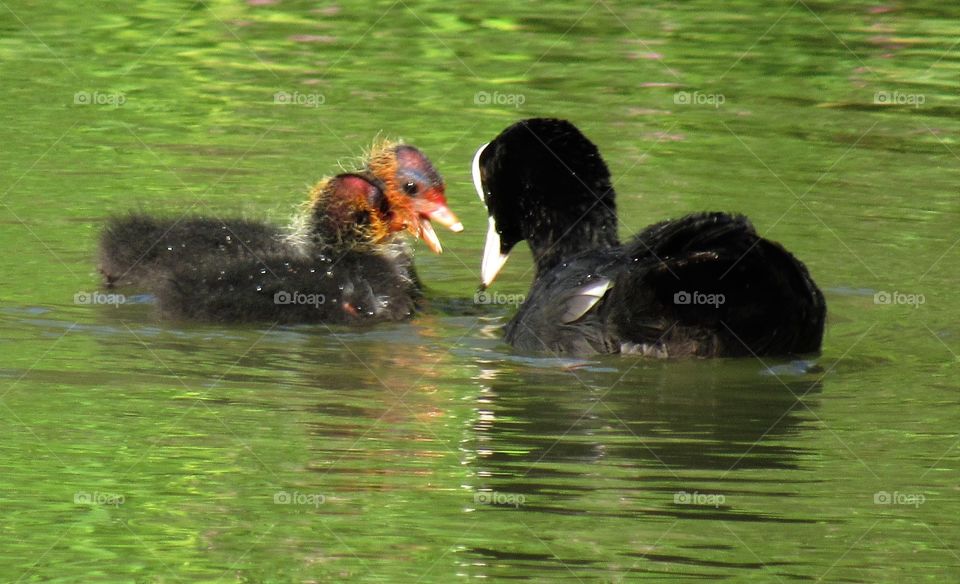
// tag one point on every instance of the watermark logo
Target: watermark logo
(297, 98)
(495, 498)
(697, 498)
(297, 498)
(898, 98)
(496, 98)
(898, 498)
(97, 498)
(895, 297)
(300, 298)
(91, 298)
(116, 98)
(697, 98)
(684, 297)
(487, 297)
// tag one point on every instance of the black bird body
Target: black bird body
(703, 285)
(136, 247)
(334, 286)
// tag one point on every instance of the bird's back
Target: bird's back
(702, 285)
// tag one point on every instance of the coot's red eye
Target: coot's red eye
(410, 188)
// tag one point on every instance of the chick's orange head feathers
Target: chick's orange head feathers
(415, 191)
(352, 206)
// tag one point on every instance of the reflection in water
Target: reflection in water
(664, 407)
(650, 439)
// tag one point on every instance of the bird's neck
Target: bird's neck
(595, 230)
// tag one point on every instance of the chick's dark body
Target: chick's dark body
(336, 287)
(134, 248)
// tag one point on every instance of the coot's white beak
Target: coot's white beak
(493, 260)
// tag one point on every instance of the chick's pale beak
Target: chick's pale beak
(444, 216)
(439, 212)
(428, 211)
(429, 236)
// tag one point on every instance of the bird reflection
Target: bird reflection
(620, 443)
(667, 416)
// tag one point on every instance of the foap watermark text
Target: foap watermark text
(712, 299)
(113, 98)
(895, 297)
(497, 98)
(697, 98)
(496, 498)
(697, 498)
(898, 498)
(98, 498)
(297, 498)
(91, 298)
(899, 98)
(284, 297)
(297, 98)
(488, 297)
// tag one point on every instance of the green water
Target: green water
(136, 450)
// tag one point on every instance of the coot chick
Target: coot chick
(704, 285)
(349, 266)
(136, 247)
(414, 189)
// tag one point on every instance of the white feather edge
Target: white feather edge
(583, 299)
(475, 171)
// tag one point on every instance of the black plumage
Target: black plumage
(335, 286)
(344, 262)
(135, 248)
(703, 285)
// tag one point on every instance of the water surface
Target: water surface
(140, 450)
